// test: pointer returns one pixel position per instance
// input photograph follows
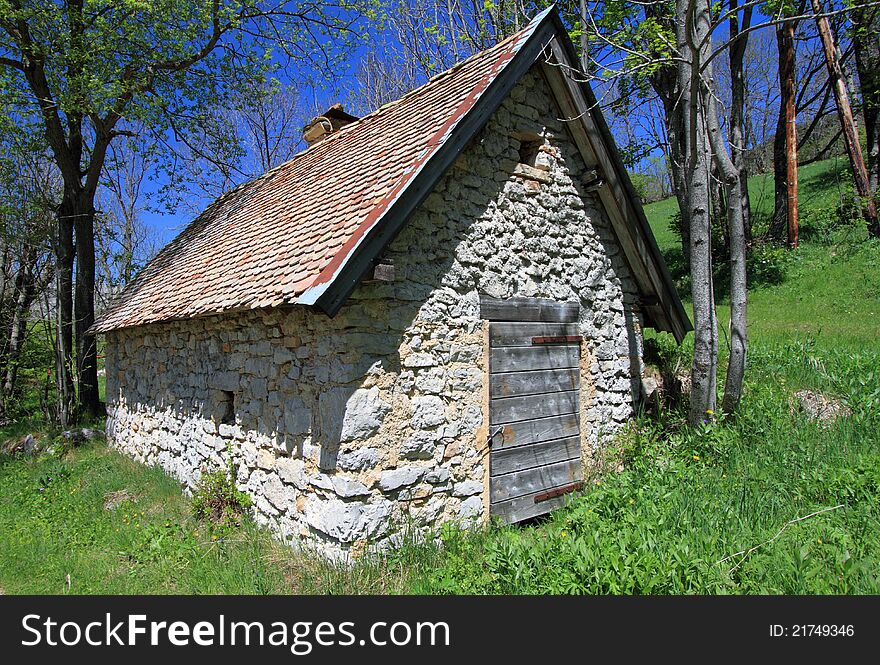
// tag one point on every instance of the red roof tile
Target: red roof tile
(268, 241)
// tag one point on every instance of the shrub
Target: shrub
(823, 222)
(217, 500)
(766, 264)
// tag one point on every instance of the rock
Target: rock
(359, 459)
(228, 381)
(265, 459)
(437, 476)
(471, 508)
(394, 479)
(348, 488)
(28, 444)
(420, 445)
(419, 360)
(471, 419)
(297, 416)
(321, 480)
(276, 492)
(292, 471)
(467, 488)
(77, 436)
(432, 382)
(364, 412)
(428, 411)
(649, 387)
(348, 415)
(346, 521)
(821, 407)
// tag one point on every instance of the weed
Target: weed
(217, 500)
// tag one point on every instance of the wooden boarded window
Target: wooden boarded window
(534, 405)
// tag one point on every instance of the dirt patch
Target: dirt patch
(112, 500)
(821, 407)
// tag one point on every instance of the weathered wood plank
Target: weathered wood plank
(511, 409)
(528, 309)
(524, 507)
(527, 432)
(509, 460)
(525, 358)
(512, 384)
(521, 334)
(539, 479)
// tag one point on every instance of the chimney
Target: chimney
(322, 126)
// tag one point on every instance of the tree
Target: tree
(866, 42)
(847, 122)
(26, 270)
(86, 68)
(739, 41)
(785, 156)
(123, 241)
(233, 143)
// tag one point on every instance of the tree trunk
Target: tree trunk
(84, 310)
(779, 222)
(785, 43)
(736, 364)
(847, 122)
(718, 199)
(666, 82)
(64, 254)
(737, 108)
(24, 284)
(866, 42)
(692, 30)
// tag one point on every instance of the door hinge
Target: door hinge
(559, 491)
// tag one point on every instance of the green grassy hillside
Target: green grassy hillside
(829, 288)
(768, 502)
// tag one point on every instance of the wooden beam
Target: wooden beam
(511, 409)
(528, 309)
(525, 358)
(514, 384)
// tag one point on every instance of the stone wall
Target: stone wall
(349, 430)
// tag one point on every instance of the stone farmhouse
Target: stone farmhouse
(433, 313)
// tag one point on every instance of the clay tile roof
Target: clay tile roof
(269, 241)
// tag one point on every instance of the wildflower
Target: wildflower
(819, 541)
(710, 412)
(696, 458)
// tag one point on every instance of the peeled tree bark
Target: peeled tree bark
(693, 44)
(847, 122)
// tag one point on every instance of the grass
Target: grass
(717, 509)
(91, 521)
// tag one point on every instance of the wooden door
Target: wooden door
(534, 406)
